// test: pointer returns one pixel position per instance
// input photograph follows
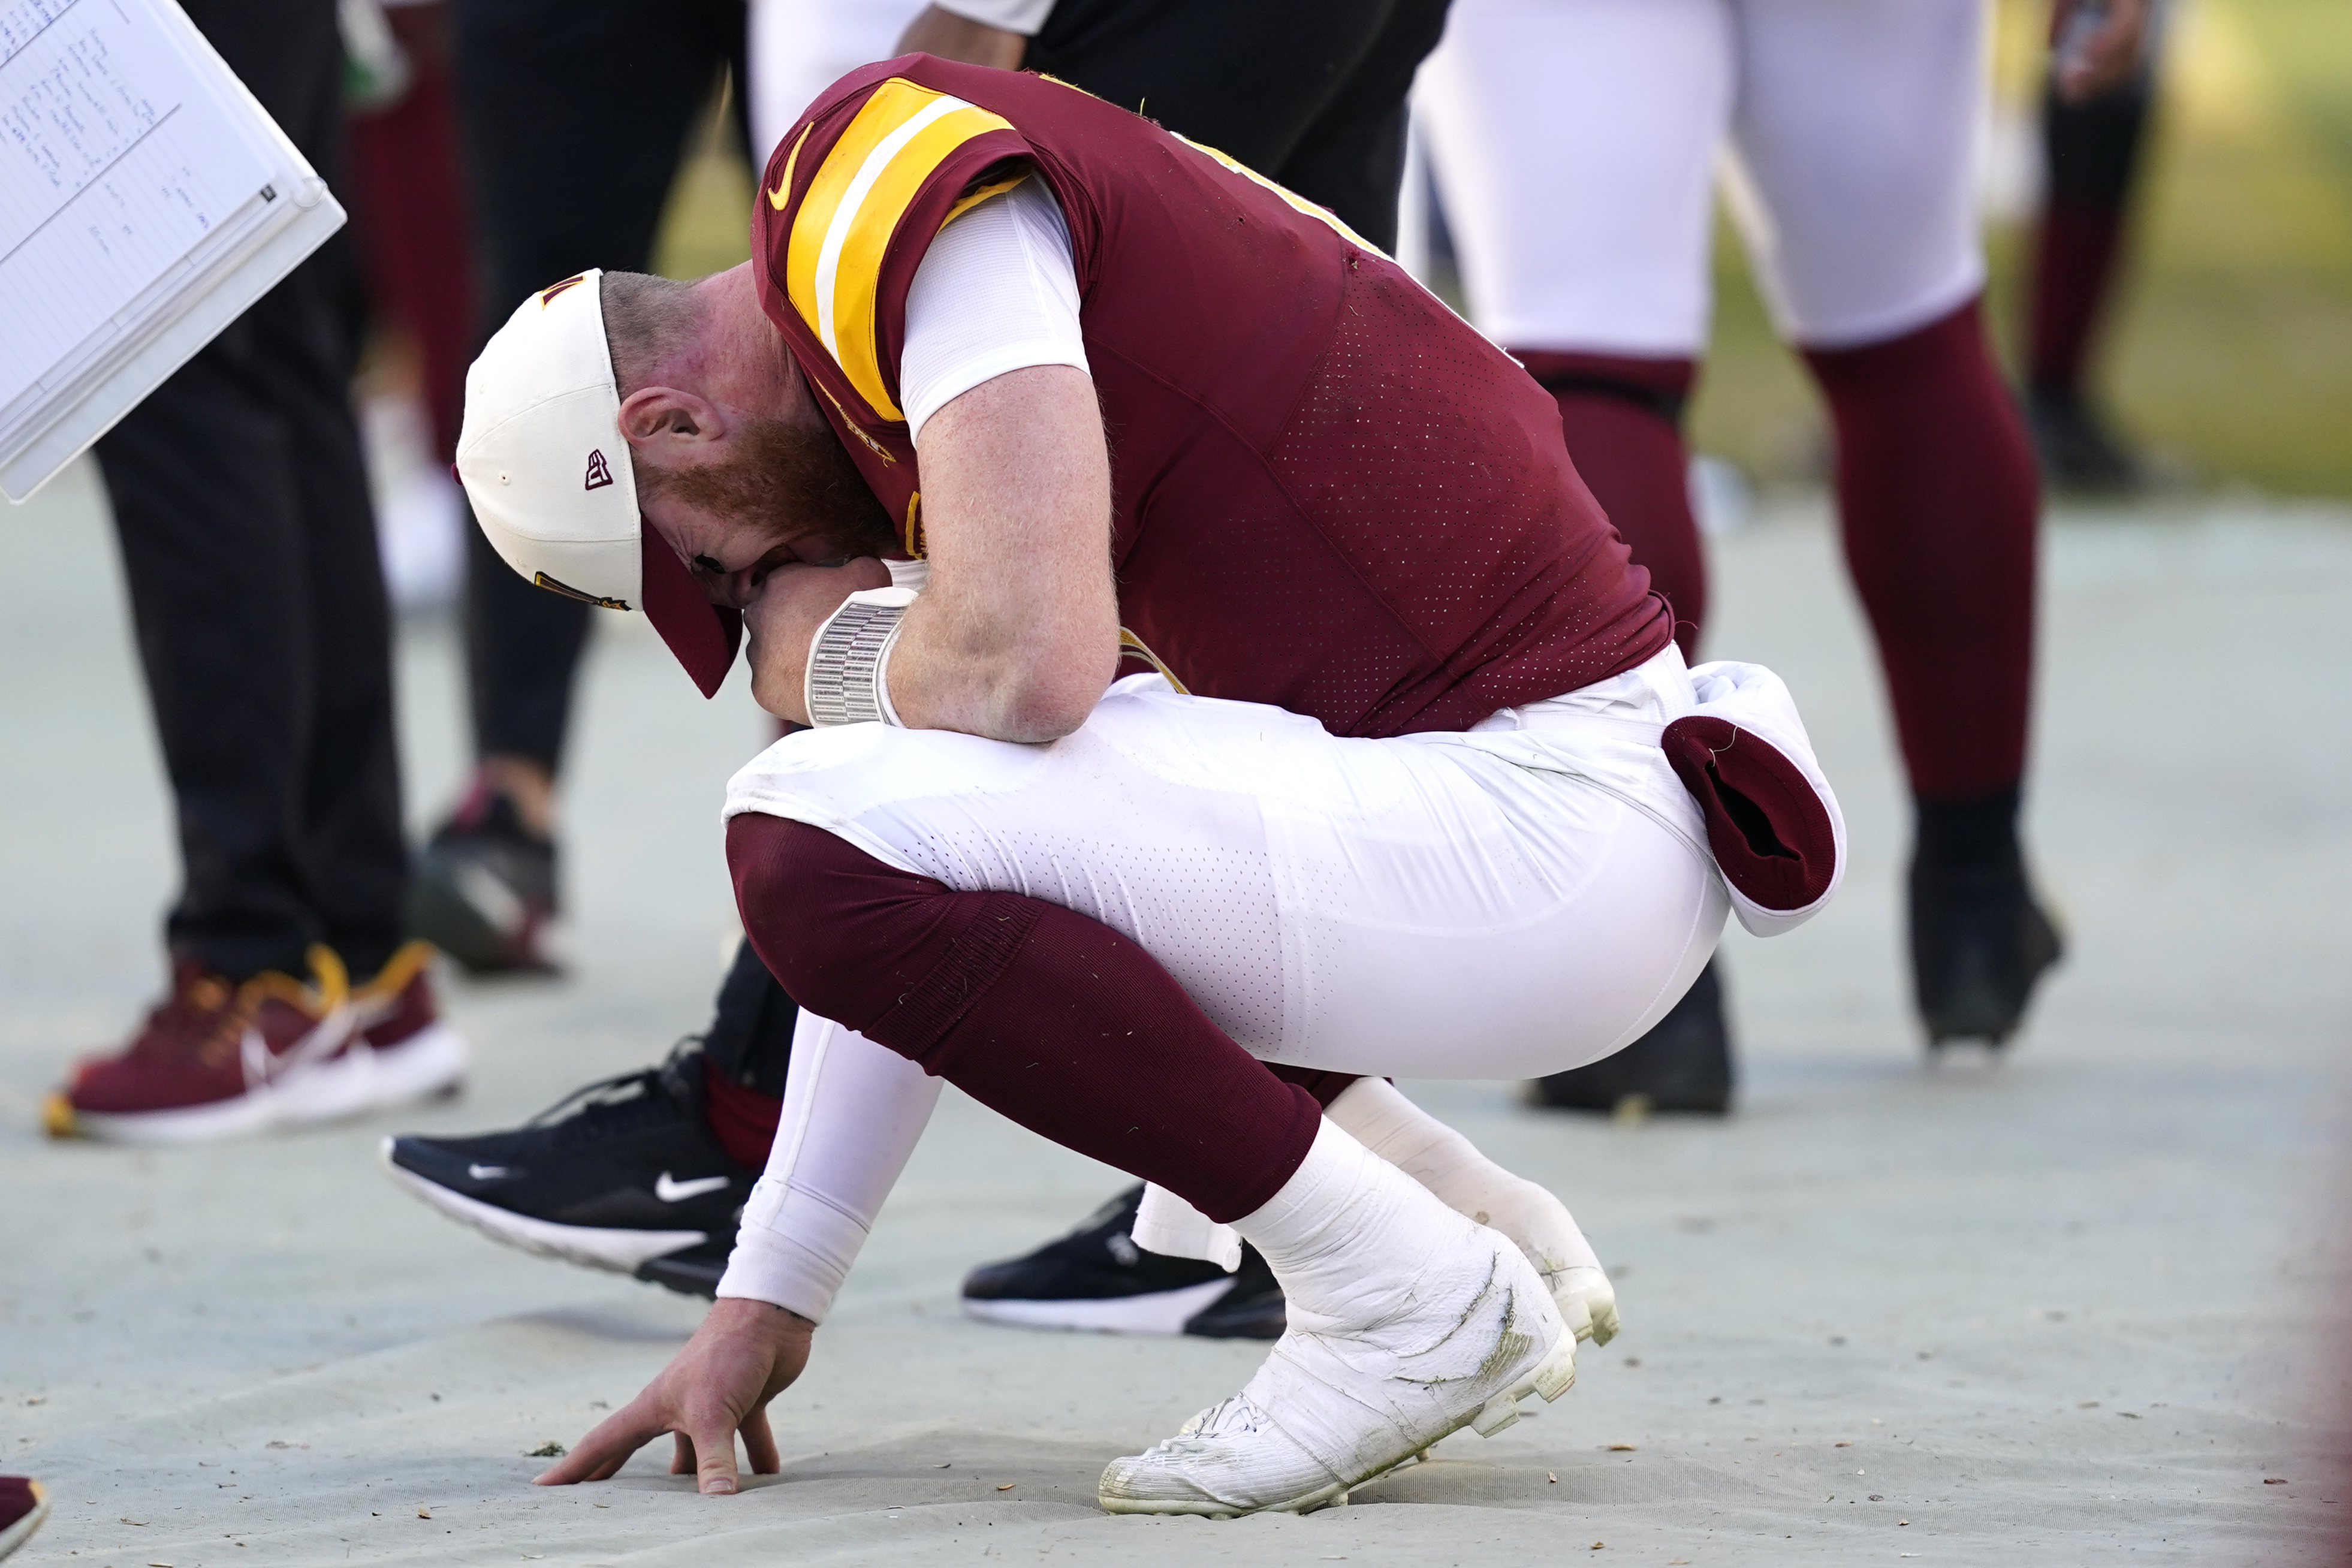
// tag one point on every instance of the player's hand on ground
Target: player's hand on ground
(745, 1354)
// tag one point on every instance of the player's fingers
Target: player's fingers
(760, 1443)
(681, 1455)
(604, 1450)
(714, 1444)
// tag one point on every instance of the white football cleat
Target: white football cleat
(1408, 1322)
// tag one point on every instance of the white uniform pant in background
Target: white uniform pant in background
(1575, 143)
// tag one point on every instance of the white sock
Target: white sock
(1167, 1224)
(1348, 1231)
(1465, 1180)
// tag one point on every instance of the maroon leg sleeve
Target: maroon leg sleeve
(1049, 1018)
(1937, 494)
(741, 1117)
(2073, 258)
(1622, 417)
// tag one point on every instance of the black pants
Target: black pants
(574, 115)
(1309, 93)
(242, 508)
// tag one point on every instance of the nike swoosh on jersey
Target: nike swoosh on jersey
(674, 1192)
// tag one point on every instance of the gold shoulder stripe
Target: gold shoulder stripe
(1321, 215)
(783, 191)
(1130, 643)
(972, 198)
(832, 266)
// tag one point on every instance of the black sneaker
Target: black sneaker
(623, 1174)
(1682, 1064)
(1979, 941)
(2078, 454)
(1096, 1278)
(484, 891)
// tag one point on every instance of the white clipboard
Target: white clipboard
(146, 200)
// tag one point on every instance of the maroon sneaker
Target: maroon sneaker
(23, 1505)
(221, 1061)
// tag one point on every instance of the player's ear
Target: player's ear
(655, 416)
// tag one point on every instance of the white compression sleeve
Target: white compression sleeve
(996, 293)
(852, 1112)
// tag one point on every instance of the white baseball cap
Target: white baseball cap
(548, 473)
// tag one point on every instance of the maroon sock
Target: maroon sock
(741, 1117)
(1622, 417)
(1054, 1021)
(1937, 492)
(2074, 258)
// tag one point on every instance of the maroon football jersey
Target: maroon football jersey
(1329, 492)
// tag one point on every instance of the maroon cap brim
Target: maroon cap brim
(702, 635)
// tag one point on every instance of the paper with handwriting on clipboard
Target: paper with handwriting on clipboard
(145, 201)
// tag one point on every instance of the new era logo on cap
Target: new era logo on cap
(600, 472)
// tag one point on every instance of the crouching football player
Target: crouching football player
(1412, 780)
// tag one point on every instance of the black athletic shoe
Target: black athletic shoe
(1682, 1064)
(484, 891)
(2078, 453)
(623, 1174)
(1096, 1278)
(1978, 944)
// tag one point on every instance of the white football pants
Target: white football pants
(1518, 899)
(1575, 143)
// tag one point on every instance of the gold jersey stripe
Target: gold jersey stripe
(1130, 643)
(832, 266)
(1321, 215)
(972, 198)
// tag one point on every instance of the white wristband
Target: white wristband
(848, 656)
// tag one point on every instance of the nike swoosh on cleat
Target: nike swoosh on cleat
(676, 1191)
(486, 1173)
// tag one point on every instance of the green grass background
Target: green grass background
(2229, 344)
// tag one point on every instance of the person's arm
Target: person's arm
(2098, 45)
(852, 1114)
(1017, 637)
(950, 36)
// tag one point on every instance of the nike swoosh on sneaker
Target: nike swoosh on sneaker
(487, 1173)
(676, 1191)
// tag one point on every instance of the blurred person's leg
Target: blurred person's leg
(1311, 95)
(2091, 157)
(573, 114)
(1576, 144)
(415, 236)
(241, 505)
(1858, 127)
